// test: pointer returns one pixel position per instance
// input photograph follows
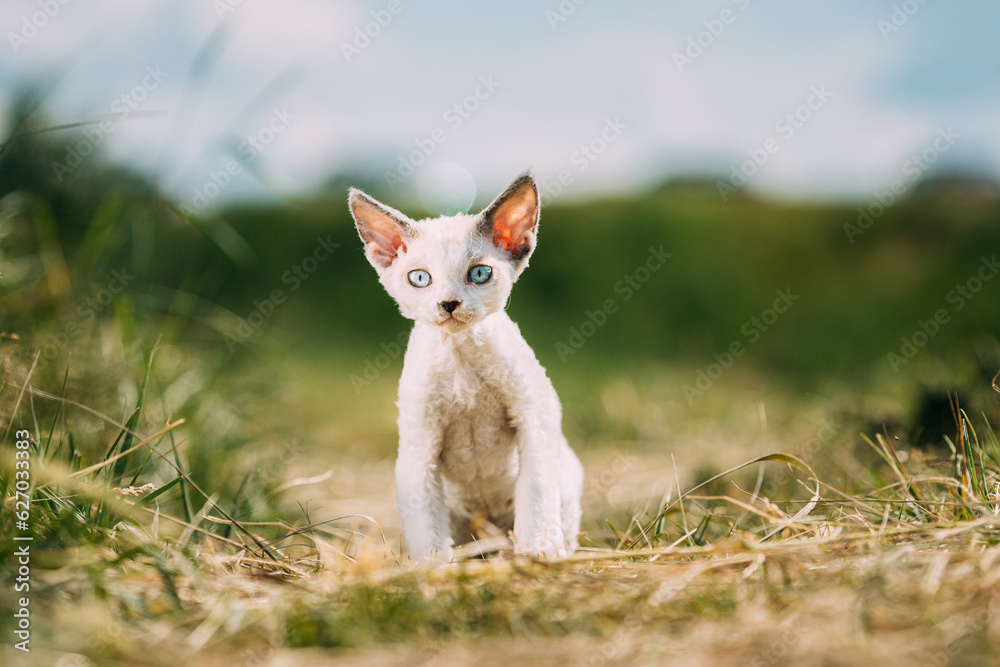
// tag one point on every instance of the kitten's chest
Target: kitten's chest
(478, 426)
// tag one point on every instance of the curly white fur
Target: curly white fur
(479, 421)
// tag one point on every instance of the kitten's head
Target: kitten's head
(450, 271)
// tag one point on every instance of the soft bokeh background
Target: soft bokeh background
(846, 153)
(696, 87)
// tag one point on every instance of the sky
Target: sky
(225, 99)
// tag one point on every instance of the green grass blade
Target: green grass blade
(59, 411)
(992, 440)
(699, 534)
(122, 463)
(185, 499)
(158, 492)
(99, 232)
(114, 472)
(142, 466)
(779, 457)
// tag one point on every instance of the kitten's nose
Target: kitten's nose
(449, 306)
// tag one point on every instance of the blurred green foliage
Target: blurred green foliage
(251, 269)
(244, 324)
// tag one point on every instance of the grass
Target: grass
(904, 565)
(196, 505)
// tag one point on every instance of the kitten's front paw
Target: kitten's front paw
(439, 556)
(545, 552)
(543, 548)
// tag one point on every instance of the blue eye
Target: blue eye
(480, 274)
(419, 278)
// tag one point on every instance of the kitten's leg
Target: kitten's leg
(537, 522)
(571, 488)
(420, 498)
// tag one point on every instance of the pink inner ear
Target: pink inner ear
(386, 244)
(386, 237)
(512, 222)
(382, 256)
(380, 232)
(501, 237)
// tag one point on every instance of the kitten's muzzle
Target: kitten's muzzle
(449, 306)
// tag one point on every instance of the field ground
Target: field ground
(924, 596)
(867, 533)
(901, 568)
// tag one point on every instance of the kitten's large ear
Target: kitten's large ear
(381, 228)
(511, 220)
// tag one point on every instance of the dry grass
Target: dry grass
(903, 567)
(250, 549)
(911, 596)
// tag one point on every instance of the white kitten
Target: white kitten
(479, 422)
